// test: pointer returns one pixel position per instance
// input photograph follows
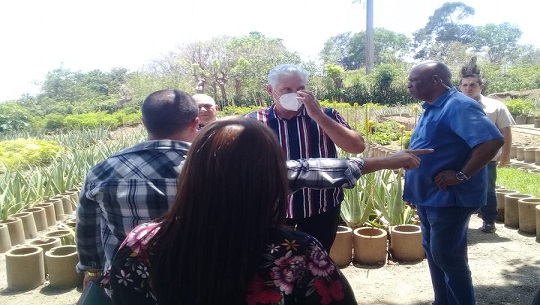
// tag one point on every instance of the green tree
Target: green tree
(65, 85)
(14, 117)
(349, 50)
(335, 49)
(499, 42)
(442, 29)
(252, 57)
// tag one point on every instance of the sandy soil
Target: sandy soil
(505, 268)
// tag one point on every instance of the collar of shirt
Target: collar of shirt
(441, 99)
(156, 145)
(272, 115)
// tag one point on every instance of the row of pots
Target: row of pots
(28, 223)
(520, 211)
(51, 253)
(26, 266)
(525, 153)
(39, 244)
(370, 245)
(527, 119)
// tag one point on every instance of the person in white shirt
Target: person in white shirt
(472, 84)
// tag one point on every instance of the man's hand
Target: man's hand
(406, 159)
(446, 178)
(312, 105)
(91, 276)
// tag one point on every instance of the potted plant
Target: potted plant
(520, 109)
(356, 209)
(404, 233)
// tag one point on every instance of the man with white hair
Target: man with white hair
(305, 129)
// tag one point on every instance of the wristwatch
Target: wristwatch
(461, 176)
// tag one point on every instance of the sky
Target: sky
(81, 35)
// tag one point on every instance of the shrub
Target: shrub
(520, 107)
(22, 152)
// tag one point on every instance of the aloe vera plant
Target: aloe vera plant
(376, 200)
(389, 199)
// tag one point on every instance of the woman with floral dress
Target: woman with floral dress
(222, 241)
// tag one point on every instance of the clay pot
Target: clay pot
(58, 208)
(527, 214)
(513, 151)
(40, 217)
(64, 235)
(520, 156)
(25, 268)
(29, 224)
(500, 193)
(74, 195)
(67, 201)
(342, 248)
(521, 119)
(5, 240)
(511, 211)
(61, 262)
(46, 244)
(16, 230)
(537, 210)
(370, 245)
(49, 212)
(406, 243)
(71, 222)
(528, 154)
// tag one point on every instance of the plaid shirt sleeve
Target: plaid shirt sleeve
(88, 233)
(320, 173)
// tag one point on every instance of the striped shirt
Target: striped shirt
(301, 137)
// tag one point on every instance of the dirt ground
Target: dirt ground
(505, 268)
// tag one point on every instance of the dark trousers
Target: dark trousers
(322, 226)
(444, 237)
(489, 211)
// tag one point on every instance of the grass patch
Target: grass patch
(519, 180)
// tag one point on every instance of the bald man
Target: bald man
(450, 183)
(207, 109)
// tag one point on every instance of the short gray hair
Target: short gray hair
(286, 69)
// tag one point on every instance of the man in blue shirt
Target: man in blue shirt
(450, 183)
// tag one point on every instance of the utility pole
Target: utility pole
(370, 45)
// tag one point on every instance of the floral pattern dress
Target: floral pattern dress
(293, 270)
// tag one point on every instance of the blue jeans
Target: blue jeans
(444, 237)
(489, 211)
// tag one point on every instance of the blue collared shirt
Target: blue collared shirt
(453, 125)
